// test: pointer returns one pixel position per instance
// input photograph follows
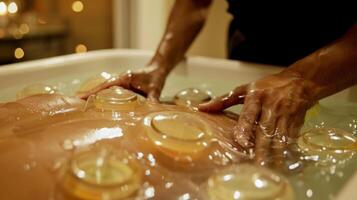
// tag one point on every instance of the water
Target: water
(309, 179)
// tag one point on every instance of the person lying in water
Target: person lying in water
(319, 47)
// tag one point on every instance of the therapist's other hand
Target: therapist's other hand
(273, 111)
(148, 81)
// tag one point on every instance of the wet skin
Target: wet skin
(41, 135)
(39, 132)
(274, 106)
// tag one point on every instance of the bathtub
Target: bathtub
(67, 72)
(216, 75)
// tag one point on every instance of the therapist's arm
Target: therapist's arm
(332, 68)
(186, 20)
(275, 106)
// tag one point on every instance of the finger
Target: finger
(282, 126)
(280, 141)
(279, 147)
(267, 121)
(138, 90)
(155, 88)
(244, 130)
(120, 81)
(220, 103)
(264, 134)
(288, 128)
(154, 95)
(295, 124)
(262, 148)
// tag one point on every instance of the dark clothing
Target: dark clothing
(282, 32)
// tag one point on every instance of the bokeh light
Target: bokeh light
(3, 8)
(17, 34)
(24, 28)
(19, 53)
(77, 6)
(81, 48)
(12, 8)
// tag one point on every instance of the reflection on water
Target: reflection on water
(118, 146)
(328, 145)
(248, 182)
(101, 174)
(191, 97)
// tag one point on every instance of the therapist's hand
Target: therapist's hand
(273, 111)
(148, 81)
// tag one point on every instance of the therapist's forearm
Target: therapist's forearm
(186, 20)
(330, 69)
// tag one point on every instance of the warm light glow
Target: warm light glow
(17, 34)
(12, 8)
(77, 6)
(81, 48)
(98, 135)
(24, 28)
(42, 21)
(3, 8)
(19, 53)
